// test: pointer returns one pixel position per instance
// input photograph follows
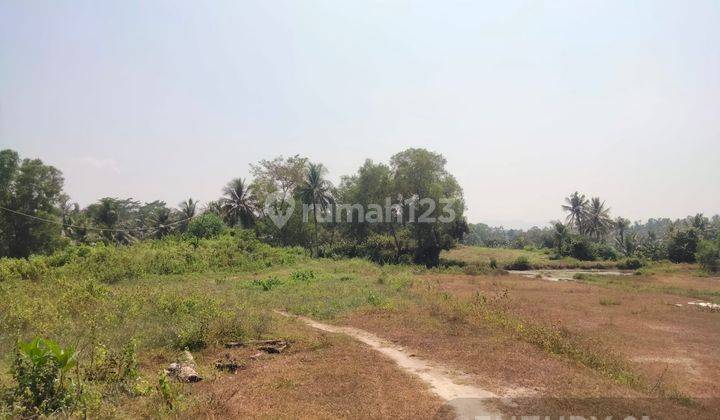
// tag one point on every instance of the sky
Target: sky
(528, 101)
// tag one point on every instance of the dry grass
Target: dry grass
(319, 376)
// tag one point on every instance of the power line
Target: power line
(55, 222)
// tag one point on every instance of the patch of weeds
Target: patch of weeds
(268, 283)
(580, 276)
(609, 302)
(375, 299)
(304, 276)
(320, 343)
(521, 263)
(382, 278)
(474, 269)
(113, 366)
(630, 264)
(639, 311)
(168, 391)
(284, 383)
(261, 324)
(681, 399)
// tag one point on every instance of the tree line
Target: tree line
(38, 217)
(589, 232)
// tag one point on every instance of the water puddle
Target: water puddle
(566, 274)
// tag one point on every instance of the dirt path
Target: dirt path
(468, 401)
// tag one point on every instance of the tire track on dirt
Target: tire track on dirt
(468, 401)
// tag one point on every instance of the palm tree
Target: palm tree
(621, 227)
(316, 190)
(214, 207)
(238, 204)
(161, 222)
(188, 209)
(561, 234)
(576, 207)
(598, 221)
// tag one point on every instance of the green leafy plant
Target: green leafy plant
(302, 275)
(267, 284)
(40, 370)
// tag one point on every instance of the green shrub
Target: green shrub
(208, 225)
(302, 275)
(109, 365)
(267, 284)
(581, 249)
(603, 251)
(40, 371)
(708, 255)
(630, 264)
(682, 245)
(521, 263)
(34, 268)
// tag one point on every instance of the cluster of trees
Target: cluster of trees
(589, 232)
(38, 217)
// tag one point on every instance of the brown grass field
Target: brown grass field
(574, 347)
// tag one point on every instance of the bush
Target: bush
(207, 225)
(521, 263)
(630, 264)
(603, 251)
(267, 284)
(581, 249)
(34, 268)
(708, 255)
(682, 245)
(39, 370)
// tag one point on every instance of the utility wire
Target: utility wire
(55, 222)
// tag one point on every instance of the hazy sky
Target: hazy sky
(528, 101)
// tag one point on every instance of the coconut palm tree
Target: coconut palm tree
(597, 220)
(162, 222)
(214, 207)
(316, 190)
(238, 204)
(576, 206)
(188, 209)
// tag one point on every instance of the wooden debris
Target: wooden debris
(228, 364)
(274, 346)
(234, 344)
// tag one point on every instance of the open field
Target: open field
(624, 344)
